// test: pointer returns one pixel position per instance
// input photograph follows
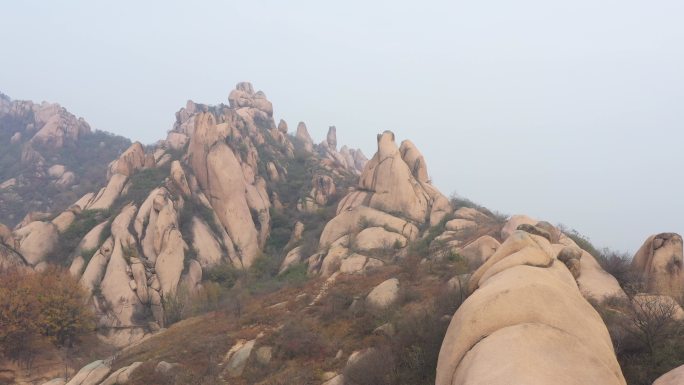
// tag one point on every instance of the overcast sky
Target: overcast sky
(569, 111)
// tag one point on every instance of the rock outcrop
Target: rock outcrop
(659, 262)
(526, 307)
(47, 149)
(394, 195)
(673, 377)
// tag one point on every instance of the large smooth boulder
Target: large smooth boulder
(377, 238)
(514, 222)
(36, 241)
(673, 377)
(384, 295)
(525, 307)
(91, 374)
(659, 262)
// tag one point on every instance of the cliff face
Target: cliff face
(48, 157)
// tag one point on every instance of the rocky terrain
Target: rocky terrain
(238, 252)
(48, 157)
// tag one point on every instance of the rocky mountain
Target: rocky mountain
(48, 157)
(235, 251)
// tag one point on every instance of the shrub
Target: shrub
(298, 339)
(223, 274)
(37, 309)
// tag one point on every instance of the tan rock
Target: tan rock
(76, 267)
(460, 225)
(594, 282)
(56, 171)
(218, 171)
(129, 162)
(534, 310)
(91, 374)
(169, 264)
(349, 221)
(471, 214)
(303, 136)
(414, 159)
(673, 377)
(514, 222)
(659, 261)
(479, 250)
(64, 220)
(377, 238)
(107, 195)
(36, 240)
(178, 178)
(121, 376)
(205, 243)
(658, 304)
(384, 295)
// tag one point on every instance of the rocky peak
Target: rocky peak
(331, 138)
(659, 262)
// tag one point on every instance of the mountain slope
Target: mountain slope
(48, 158)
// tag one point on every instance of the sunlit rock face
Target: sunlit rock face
(659, 262)
(526, 307)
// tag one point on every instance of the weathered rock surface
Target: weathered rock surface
(36, 240)
(391, 201)
(514, 222)
(121, 376)
(526, 302)
(479, 250)
(659, 262)
(384, 295)
(91, 374)
(237, 357)
(673, 377)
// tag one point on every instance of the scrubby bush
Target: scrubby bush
(299, 339)
(647, 337)
(38, 309)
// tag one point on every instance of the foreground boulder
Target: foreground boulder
(673, 377)
(526, 307)
(659, 262)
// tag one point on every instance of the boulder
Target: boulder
(514, 222)
(221, 177)
(164, 367)
(460, 224)
(64, 220)
(179, 179)
(659, 262)
(121, 376)
(594, 282)
(479, 250)
(377, 238)
(673, 377)
(107, 195)
(91, 374)
(526, 307)
(205, 244)
(132, 160)
(36, 241)
(237, 357)
(304, 138)
(384, 295)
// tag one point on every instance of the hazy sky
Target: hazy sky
(570, 111)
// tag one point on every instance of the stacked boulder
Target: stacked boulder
(392, 202)
(526, 307)
(659, 263)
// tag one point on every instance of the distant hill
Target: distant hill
(49, 158)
